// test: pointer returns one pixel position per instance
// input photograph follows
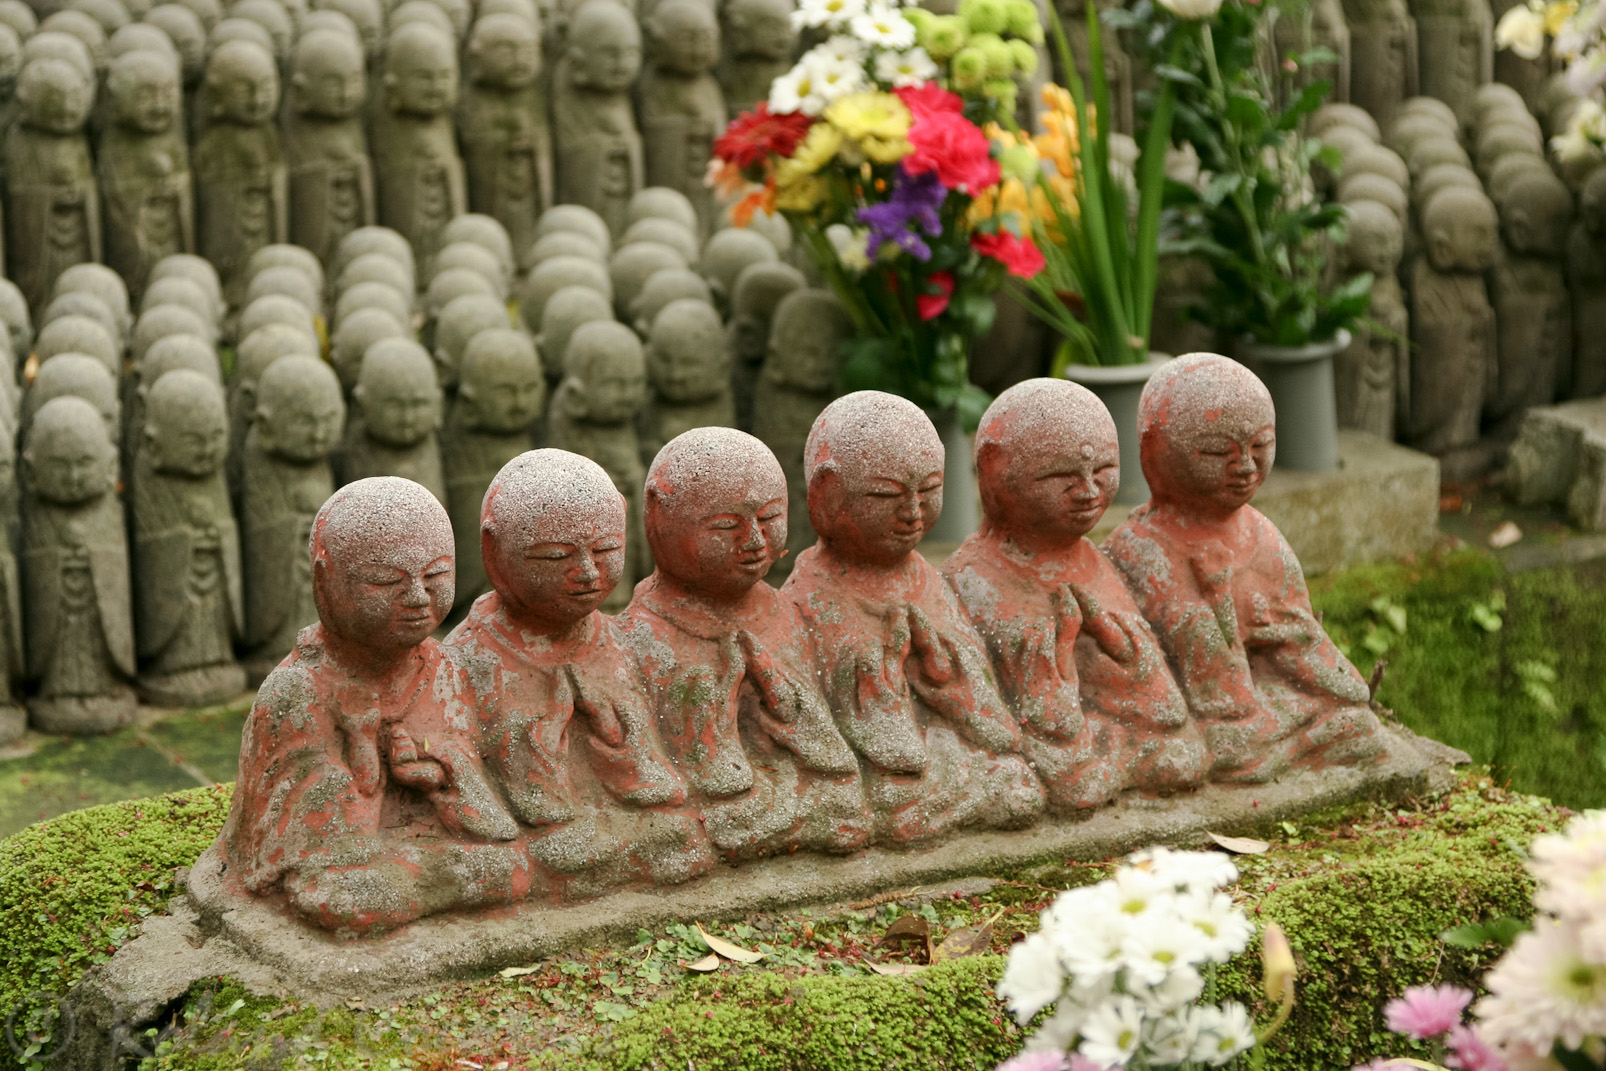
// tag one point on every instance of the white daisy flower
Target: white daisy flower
(830, 14)
(882, 26)
(836, 78)
(1111, 1035)
(1180, 870)
(1522, 29)
(909, 68)
(1182, 986)
(1032, 977)
(1543, 991)
(1224, 1032)
(795, 91)
(1159, 946)
(1140, 892)
(1587, 72)
(1170, 1038)
(1225, 928)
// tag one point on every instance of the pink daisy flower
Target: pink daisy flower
(1427, 1011)
(1469, 1052)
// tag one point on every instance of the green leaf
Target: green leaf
(1498, 931)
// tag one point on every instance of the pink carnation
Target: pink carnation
(1469, 1052)
(953, 147)
(1427, 1011)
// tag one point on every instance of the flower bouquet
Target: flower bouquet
(875, 147)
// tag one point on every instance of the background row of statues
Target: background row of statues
(213, 481)
(126, 141)
(545, 750)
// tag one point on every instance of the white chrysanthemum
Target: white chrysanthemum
(1223, 1033)
(1181, 986)
(840, 47)
(1159, 946)
(1571, 867)
(1587, 72)
(1579, 139)
(1112, 1032)
(829, 14)
(1089, 943)
(1032, 976)
(1522, 29)
(794, 91)
(852, 250)
(1070, 1012)
(909, 68)
(835, 79)
(1140, 892)
(1543, 991)
(883, 26)
(1169, 1039)
(1224, 926)
(1181, 870)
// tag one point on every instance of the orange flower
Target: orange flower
(759, 197)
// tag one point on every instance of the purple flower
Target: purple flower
(1469, 1052)
(1427, 1011)
(910, 211)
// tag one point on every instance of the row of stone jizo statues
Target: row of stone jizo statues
(190, 128)
(545, 751)
(206, 485)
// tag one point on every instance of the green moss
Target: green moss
(76, 887)
(1486, 690)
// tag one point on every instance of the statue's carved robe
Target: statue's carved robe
(1081, 668)
(599, 152)
(242, 197)
(149, 200)
(938, 755)
(771, 771)
(331, 181)
(52, 209)
(75, 566)
(507, 150)
(317, 810)
(190, 609)
(1263, 680)
(604, 814)
(421, 182)
(279, 500)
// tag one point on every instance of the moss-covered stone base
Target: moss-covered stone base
(1364, 892)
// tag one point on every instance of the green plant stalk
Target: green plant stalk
(1242, 197)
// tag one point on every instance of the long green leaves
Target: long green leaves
(1095, 246)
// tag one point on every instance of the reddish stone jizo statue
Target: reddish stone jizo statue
(545, 668)
(361, 794)
(903, 669)
(729, 661)
(1223, 589)
(1076, 661)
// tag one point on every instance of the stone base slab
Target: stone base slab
(1381, 503)
(437, 949)
(1559, 459)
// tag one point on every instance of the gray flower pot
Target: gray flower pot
(1300, 379)
(961, 499)
(1119, 386)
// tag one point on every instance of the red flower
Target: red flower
(930, 306)
(753, 136)
(1020, 256)
(929, 99)
(953, 147)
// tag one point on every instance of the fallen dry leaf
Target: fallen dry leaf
(1240, 845)
(708, 963)
(969, 941)
(517, 972)
(731, 952)
(895, 968)
(910, 928)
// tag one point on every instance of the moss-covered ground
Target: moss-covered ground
(1510, 667)
(1365, 893)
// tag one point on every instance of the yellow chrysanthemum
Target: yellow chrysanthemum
(801, 195)
(870, 116)
(886, 151)
(818, 148)
(1558, 13)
